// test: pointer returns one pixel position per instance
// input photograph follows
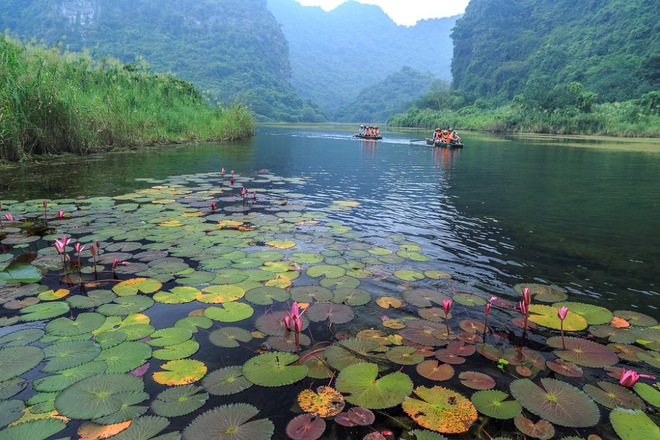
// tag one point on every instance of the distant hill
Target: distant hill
(335, 55)
(506, 47)
(230, 49)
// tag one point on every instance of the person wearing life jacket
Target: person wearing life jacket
(453, 137)
(361, 130)
(376, 131)
(437, 136)
(445, 137)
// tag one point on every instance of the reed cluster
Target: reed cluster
(53, 101)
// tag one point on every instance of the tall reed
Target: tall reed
(53, 101)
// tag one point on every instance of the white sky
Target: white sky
(403, 12)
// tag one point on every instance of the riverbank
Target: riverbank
(56, 102)
(634, 118)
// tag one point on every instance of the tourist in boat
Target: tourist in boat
(437, 136)
(445, 137)
(376, 133)
(453, 137)
(361, 130)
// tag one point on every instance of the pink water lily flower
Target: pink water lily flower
(446, 306)
(61, 244)
(628, 377)
(9, 217)
(562, 312)
(292, 319)
(60, 215)
(78, 247)
(527, 296)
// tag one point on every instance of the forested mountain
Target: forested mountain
(506, 47)
(337, 54)
(393, 94)
(230, 49)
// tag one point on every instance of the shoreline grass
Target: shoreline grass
(54, 102)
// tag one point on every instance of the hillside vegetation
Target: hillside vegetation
(588, 67)
(54, 102)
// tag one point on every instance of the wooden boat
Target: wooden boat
(439, 143)
(366, 136)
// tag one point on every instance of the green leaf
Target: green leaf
(20, 273)
(274, 369)
(633, 424)
(364, 388)
(493, 403)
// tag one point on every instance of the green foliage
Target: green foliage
(55, 101)
(506, 47)
(395, 93)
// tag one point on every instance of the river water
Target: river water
(582, 214)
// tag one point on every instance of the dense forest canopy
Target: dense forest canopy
(336, 55)
(506, 47)
(230, 49)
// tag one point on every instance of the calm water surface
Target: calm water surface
(582, 214)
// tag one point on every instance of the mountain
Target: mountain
(506, 47)
(335, 55)
(393, 94)
(230, 49)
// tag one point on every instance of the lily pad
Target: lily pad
(177, 351)
(404, 355)
(169, 336)
(230, 422)
(648, 393)
(542, 292)
(352, 351)
(84, 323)
(363, 387)
(351, 296)
(423, 297)
(126, 305)
(542, 429)
(434, 370)
(266, 296)
(179, 401)
(494, 403)
(274, 369)
(226, 381)
(18, 272)
(42, 311)
(135, 285)
(125, 357)
(636, 318)
(477, 380)
(547, 317)
(145, 427)
(633, 424)
(325, 402)
(592, 314)
(305, 427)
(69, 354)
(310, 293)
(178, 295)
(441, 409)
(180, 372)
(334, 313)
(325, 270)
(34, 430)
(612, 395)
(556, 401)
(68, 377)
(21, 337)
(97, 396)
(229, 337)
(229, 312)
(583, 352)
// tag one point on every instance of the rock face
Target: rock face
(79, 12)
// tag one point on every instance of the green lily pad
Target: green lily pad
(362, 386)
(69, 354)
(351, 296)
(93, 299)
(22, 337)
(265, 296)
(229, 312)
(274, 369)
(636, 318)
(193, 323)
(547, 317)
(404, 355)
(10, 411)
(229, 337)
(84, 323)
(135, 285)
(310, 293)
(633, 424)
(179, 401)
(230, 422)
(409, 275)
(33, 430)
(169, 336)
(226, 381)
(177, 351)
(219, 294)
(66, 378)
(429, 435)
(441, 409)
(145, 427)
(126, 305)
(9, 388)
(542, 292)
(592, 314)
(325, 270)
(125, 357)
(353, 351)
(43, 311)
(556, 401)
(305, 258)
(493, 403)
(423, 297)
(648, 393)
(17, 273)
(178, 295)
(97, 396)
(334, 313)
(180, 372)
(129, 410)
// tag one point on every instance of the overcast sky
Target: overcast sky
(404, 12)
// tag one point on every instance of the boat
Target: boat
(439, 143)
(366, 136)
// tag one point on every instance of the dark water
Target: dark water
(583, 214)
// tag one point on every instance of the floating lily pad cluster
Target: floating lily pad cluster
(163, 302)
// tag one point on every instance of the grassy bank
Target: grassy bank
(54, 102)
(634, 118)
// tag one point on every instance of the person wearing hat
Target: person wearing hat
(453, 137)
(362, 129)
(445, 136)
(437, 135)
